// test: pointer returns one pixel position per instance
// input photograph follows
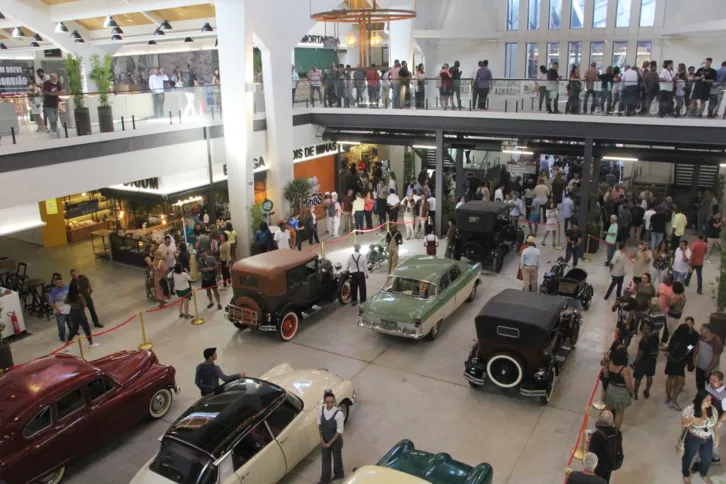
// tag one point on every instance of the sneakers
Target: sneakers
(94, 345)
(210, 305)
(219, 306)
(99, 325)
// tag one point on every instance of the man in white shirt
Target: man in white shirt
(432, 209)
(393, 203)
(282, 237)
(630, 90)
(499, 194)
(395, 83)
(156, 86)
(681, 261)
(168, 248)
(295, 80)
(665, 94)
(358, 267)
(646, 222)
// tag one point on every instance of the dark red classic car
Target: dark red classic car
(60, 407)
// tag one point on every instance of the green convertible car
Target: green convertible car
(419, 295)
(405, 464)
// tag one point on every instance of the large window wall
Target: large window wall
(512, 14)
(600, 14)
(535, 10)
(532, 67)
(555, 17)
(510, 60)
(622, 13)
(577, 14)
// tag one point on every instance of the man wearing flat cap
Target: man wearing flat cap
(529, 263)
(209, 374)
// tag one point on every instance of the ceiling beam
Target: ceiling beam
(153, 17)
(697, 28)
(93, 8)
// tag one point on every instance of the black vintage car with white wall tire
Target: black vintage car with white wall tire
(523, 341)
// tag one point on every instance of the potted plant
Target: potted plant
(296, 192)
(6, 356)
(102, 75)
(75, 87)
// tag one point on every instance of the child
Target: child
(430, 241)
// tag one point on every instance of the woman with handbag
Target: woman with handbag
(679, 356)
(698, 421)
(620, 385)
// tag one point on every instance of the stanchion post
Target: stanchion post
(469, 104)
(580, 452)
(146, 345)
(123, 126)
(322, 249)
(133, 121)
(170, 119)
(516, 107)
(532, 104)
(12, 132)
(585, 258)
(558, 246)
(180, 115)
(197, 320)
(355, 239)
(80, 347)
(65, 128)
(505, 105)
(388, 226)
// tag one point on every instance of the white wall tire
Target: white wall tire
(345, 410)
(472, 296)
(53, 477)
(434, 332)
(160, 403)
(288, 325)
(507, 368)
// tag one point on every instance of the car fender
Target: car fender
(344, 393)
(279, 370)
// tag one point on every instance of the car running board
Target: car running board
(314, 309)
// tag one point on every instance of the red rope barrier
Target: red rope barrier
(115, 327)
(166, 306)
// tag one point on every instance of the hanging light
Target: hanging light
(158, 32)
(216, 42)
(165, 25)
(37, 38)
(79, 41)
(207, 28)
(18, 32)
(109, 22)
(376, 39)
(3, 46)
(351, 40)
(2, 17)
(61, 28)
(188, 39)
(34, 44)
(152, 42)
(75, 35)
(116, 37)
(117, 31)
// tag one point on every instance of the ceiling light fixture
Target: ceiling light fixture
(424, 147)
(188, 39)
(152, 42)
(34, 44)
(158, 32)
(518, 152)
(3, 46)
(109, 23)
(116, 37)
(61, 28)
(2, 17)
(376, 39)
(37, 38)
(117, 31)
(351, 40)
(207, 28)
(18, 32)
(79, 41)
(722, 165)
(348, 142)
(165, 25)
(75, 35)
(618, 158)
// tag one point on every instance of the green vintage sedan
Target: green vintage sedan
(419, 295)
(405, 464)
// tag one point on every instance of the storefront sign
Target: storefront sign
(309, 152)
(315, 198)
(51, 206)
(82, 208)
(148, 184)
(14, 76)
(267, 205)
(258, 165)
(320, 39)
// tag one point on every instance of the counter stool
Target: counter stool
(4, 277)
(38, 305)
(16, 280)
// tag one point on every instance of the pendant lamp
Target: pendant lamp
(117, 31)
(207, 28)
(109, 23)
(18, 32)
(165, 25)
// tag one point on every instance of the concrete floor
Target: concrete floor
(406, 389)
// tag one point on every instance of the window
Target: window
(311, 268)
(620, 52)
(249, 281)
(535, 9)
(255, 440)
(647, 13)
(39, 422)
(510, 60)
(575, 56)
(645, 49)
(410, 287)
(99, 387)
(555, 14)
(69, 403)
(553, 53)
(597, 54)
(295, 276)
(622, 13)
(532, 60)
(600, 14)
(179, 462)
(577, 14)
(512, 14)
(454, 272)
(444, 282)
(282, 416)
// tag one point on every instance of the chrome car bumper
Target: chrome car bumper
(376, 326)
(477, 381)
(177, 389)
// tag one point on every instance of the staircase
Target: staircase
(428, 156)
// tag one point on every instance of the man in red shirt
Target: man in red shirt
(372, 77)
(699, 248)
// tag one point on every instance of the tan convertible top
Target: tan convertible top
(272, 264)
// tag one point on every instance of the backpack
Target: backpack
(614, 444)
(331, 209)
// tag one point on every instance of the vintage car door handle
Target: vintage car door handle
(282, 441)
(243, 476)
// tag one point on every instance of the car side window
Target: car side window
(282, 416)
(99, 387)
(444, 283)
(311, 268)
(454, 272)
(252, 443)
(41, 421)
(69, 403)
(295, 276)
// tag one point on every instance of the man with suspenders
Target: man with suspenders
(358, 267)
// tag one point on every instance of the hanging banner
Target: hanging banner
(14, 76)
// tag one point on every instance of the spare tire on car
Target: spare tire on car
(505, 370)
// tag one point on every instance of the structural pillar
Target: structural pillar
(401, 39)
(585, 202)
(439, 179)
(211, 198)
(459, 165)
(235, 65)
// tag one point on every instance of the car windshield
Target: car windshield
(183, 464)
(410, 287)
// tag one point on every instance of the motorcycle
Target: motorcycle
(377, 253)
(551, 281)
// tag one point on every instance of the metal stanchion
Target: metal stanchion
(427, 103)
(123, 126)
(322, 249)
(197, 320)
(585, 258)
(388, 226)
(558, 246)
(437, 101)
(580, 452)
(146, 345)
(505, 105)
(12, 132)
(469, 104)
(170, 119)
(180, 115)
(212, 110)
(532, 104)
(516, 107)
(355, 238)
(65, 128)
(80, 347)
(133, 121)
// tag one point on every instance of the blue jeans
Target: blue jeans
(699, 278)
(694, 445)
(573, 252)
(611, 252)
(63, 321)
(655, 240)
(396, 90)
(679, 276)
(359, 220)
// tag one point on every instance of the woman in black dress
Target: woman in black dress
(680, 353)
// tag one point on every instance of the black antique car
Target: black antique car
(274, 290)
(524, 340)
(572, 284)
(486, 232)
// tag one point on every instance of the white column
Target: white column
(235, 66)
(401, 40)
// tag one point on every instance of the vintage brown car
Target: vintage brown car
(58, 408)
(274, 290)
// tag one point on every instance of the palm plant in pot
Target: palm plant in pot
(81, 114)
(6, 356)
(102, 75)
